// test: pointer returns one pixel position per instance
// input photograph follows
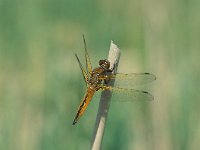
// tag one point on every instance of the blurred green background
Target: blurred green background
(41, 85)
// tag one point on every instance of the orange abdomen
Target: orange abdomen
(84, 103)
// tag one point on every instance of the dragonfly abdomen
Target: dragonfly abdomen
(84, 103)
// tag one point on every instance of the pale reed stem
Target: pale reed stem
(113, 57)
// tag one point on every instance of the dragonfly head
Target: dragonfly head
(104, 63)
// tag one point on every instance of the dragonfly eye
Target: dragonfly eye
(101, 62)
(104, 63)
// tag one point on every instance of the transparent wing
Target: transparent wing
(85, 76)
(122, 94)
(130, 80)
(87, 58)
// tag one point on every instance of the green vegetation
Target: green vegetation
(41, 85)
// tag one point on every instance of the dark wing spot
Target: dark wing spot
(145, 92)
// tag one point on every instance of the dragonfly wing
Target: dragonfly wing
(85, 76)
(131, 80)
(87, 58)
(122, 94)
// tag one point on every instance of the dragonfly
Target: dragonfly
(96, 80)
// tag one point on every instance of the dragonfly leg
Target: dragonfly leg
(109, 72)
(105, 77)
(106, 81)
(112, 69)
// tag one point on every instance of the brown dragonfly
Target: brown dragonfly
(96, 79)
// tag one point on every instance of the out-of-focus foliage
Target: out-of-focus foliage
(41, 85)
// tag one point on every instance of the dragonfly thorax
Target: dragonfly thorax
(94, 78)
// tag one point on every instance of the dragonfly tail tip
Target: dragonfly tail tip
(74, 122)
